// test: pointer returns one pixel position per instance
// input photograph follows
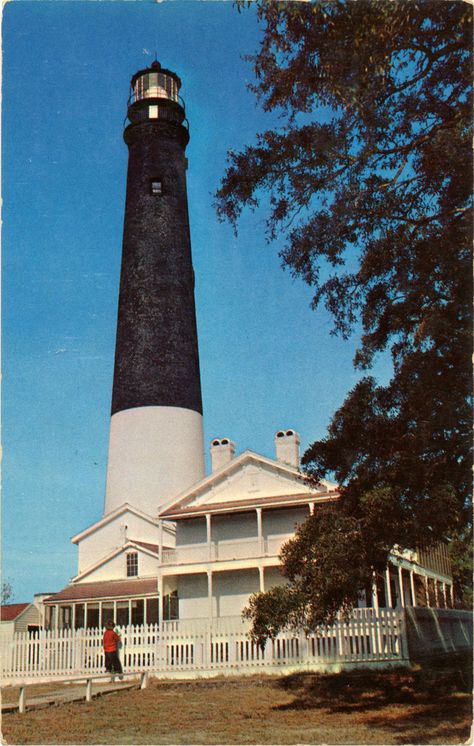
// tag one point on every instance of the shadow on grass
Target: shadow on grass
(432, 723)
(365, 691)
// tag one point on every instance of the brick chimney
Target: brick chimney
(287, 446)
(222, 452)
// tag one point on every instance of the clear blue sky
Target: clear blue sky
(267, 360)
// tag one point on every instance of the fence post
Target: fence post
(88, 690)
(402, 635)
(144, 680)
(22, 699)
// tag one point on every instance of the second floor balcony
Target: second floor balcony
(225, 551)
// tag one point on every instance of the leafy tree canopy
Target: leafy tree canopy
(369, 187)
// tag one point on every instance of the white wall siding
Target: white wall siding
(283, 521)
(7, 630)
(192, 595)
(191, 531)
(116, 568)
(231, 591)
(236, 526)
(31, 616)
(102, 542)
(255, 479)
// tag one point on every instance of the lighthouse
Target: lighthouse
(156, 434)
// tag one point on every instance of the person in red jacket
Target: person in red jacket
(111, 643)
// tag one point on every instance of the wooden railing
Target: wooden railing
(224, 550)
(197, 647)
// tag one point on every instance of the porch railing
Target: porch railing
(195, 646)
(224, 550)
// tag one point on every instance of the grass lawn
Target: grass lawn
(432, 704)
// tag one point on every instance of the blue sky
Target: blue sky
(267, 360)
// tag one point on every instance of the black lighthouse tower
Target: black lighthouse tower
(156, 441)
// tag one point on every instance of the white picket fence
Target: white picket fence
(193, 646)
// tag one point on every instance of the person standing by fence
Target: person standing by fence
(111, 642)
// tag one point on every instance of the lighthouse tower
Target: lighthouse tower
(156, 439)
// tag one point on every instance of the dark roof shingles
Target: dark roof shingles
(9, 612)
(106, 589)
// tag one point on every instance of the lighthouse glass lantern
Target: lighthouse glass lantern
(155, 85)
(155, 95)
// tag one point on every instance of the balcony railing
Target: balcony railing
(224, 551)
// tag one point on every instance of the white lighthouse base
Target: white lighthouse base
(155, 453)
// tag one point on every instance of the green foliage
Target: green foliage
(461, 556)
(369, 181)
(7, 592)
(273, 611)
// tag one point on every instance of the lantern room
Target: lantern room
(154, 84)
(155, 95)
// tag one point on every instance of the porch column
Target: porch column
(311, 508)
(73, 617)
(129, 611)
(56, 616)
(387, 586)
(375, 595)
(412, 586)
(160, 600)
(261, 579)
(259, 530)
(444, 596)
(160, 549)
(435, 583)
(85, 614)
(100, 614)
(209, 595)
(208, 535)
(115, 612)
(451, 593)
(427, 595)
(400, 583)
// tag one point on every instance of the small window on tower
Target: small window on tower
(157, 187)
(132, 564)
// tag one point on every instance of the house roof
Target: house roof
(106, 589)
(9, 612)
(146, 545)
(126, 507)
(185, 502)
(242, 505)
(141, 546)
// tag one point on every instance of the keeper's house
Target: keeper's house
(208, 549)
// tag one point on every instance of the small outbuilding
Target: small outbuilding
(19, 618)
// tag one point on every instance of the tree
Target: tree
(7, 592)
(461, 556)
(369, 186)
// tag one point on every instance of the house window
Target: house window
(157, 187)
(132, 564)
(153, 112)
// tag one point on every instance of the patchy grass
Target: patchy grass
(430, 705)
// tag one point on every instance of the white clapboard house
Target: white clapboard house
(205, 551)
